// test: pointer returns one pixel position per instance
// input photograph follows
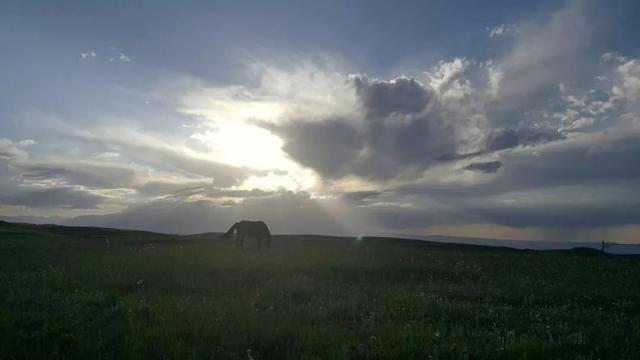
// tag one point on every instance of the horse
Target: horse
(254, 229)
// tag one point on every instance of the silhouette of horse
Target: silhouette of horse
(254, 229)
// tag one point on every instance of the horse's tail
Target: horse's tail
(230, 232)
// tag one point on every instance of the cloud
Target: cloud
(404, 128)
(120, 180)
(85, 173)
(500, 30)
(502, 139)
(310, 88)
(177, 188)
(543, 123)
(629, 73)
(11, 152)
(165, 154)
(120, 58)
(588, 160)
(447, 78)
(53, 197)
(485, 167)
(398, 133)
(546, 51)
(193, 187)
(89, 54)
(330, 147)
(563, 215)
(510, 138)
(357, 196)
(402, 95)
(113, 55)
(14, 151)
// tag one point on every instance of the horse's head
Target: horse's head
(229, 233)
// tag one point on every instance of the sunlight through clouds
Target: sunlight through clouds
(246, 145)
(419, 124)
(242, 144)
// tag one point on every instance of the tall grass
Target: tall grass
(147, 297)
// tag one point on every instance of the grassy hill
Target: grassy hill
(69, 292)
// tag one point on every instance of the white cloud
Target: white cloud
(500, 30)
(227, 116)
(121, 57)
(14, 151)
(545, 52)
(89, 54)
(613, 57)
(629, 73)
(300, 89)
(447, 78)
(113, 55)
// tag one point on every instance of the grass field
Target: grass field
(66, 293)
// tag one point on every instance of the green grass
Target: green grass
(65, 293)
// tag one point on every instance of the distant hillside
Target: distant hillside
(611, 247)
(13, 228)
(69, 231)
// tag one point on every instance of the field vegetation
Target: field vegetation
(88, 293)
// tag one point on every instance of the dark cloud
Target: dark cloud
(583, 182)
(503, 139)
(357, 196)
(34, 219)
(98, 176)
(400, 143)
(376, 150)
(417, 216)
(382, 98)
(173, 188)
(217, 192)
(399, 135)
(591, 159)
(485, 167)
(596, 159)
(329, 146)
(565, 216)
(510, 138)
(566, 211)
(53, 197)
(181, 189)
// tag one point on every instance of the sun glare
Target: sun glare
(246, 145)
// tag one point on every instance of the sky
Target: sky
(493, 119)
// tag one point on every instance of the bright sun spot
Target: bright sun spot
(230, 110)
(246, 145)
(231, 138)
